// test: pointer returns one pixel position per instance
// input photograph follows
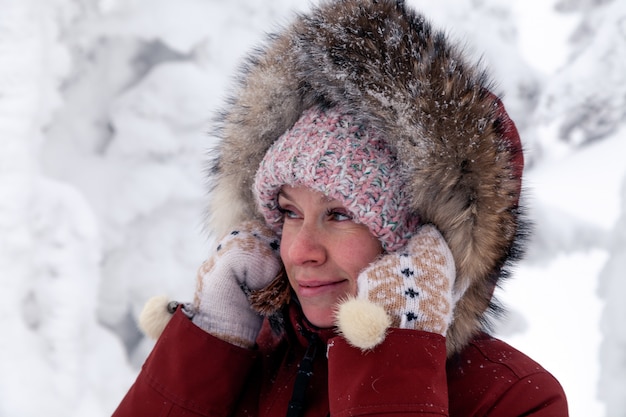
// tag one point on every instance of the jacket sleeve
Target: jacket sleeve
(189, 372)
(403, 376)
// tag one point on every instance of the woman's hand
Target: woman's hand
(246, 259)
(409, 289)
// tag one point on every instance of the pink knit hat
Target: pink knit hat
(329, 151)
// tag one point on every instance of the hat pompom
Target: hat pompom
(155, 316)
(362, 323)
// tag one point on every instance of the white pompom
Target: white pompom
(154, 316)
(362, 323)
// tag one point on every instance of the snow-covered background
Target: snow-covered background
(104, 109)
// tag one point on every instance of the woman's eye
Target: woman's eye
(287, 214)
(339, 215)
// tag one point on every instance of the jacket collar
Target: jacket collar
(291, 326)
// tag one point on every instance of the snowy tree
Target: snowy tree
(613, 348)
(49, 241)
(586, 102)
(586, 99)
(583, 104)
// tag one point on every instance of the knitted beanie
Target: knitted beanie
(329, 151)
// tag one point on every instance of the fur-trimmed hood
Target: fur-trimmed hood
(457, 148)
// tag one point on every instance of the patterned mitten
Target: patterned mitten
(246, 259)
(408, 289)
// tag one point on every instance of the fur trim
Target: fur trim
(456, 147)
(362, 323)
(269, 300)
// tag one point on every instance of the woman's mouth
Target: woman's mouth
(315, 288)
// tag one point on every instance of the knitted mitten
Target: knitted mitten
(246, 259)
(409, 289)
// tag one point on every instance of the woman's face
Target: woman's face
(323, 251)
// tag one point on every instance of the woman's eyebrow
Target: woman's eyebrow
(284, 194)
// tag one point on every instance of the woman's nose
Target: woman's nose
(307, 246)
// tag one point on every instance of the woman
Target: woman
(368, 183)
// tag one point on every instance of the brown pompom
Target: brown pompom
(270, 299)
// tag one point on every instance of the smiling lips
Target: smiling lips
(313, 288)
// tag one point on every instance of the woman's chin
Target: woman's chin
(322, 318)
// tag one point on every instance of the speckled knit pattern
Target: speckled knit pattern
(328, 151)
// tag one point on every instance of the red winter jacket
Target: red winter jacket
(191, 373)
